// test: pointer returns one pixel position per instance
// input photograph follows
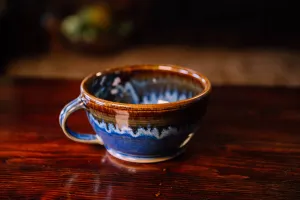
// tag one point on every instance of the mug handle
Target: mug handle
(71, 107)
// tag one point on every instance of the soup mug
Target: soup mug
(141, 113)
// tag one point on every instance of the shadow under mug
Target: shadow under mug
(141, 113)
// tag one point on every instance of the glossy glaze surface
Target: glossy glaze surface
(144, 86)
(248, 148)
(145, 144)
(183, 79)
(132, 131)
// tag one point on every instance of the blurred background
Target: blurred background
(232, 42)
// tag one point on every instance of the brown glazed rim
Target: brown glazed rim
(166, 106)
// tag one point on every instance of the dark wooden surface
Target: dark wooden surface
(247, 148)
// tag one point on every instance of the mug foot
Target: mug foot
(140, 159)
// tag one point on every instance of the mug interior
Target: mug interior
(144, 86)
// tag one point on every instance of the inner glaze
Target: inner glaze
(144, 86)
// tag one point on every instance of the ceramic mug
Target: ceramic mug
(141, 113)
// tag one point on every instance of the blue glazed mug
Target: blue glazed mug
(141, 113)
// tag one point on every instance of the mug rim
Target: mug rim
(203, 80)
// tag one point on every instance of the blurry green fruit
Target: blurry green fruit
(71, 26)
(97, 16)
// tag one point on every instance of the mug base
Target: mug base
(139, 159)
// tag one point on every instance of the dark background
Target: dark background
(233, 24)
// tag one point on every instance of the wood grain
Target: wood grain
(248, 148)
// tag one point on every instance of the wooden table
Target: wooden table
(247, 148)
